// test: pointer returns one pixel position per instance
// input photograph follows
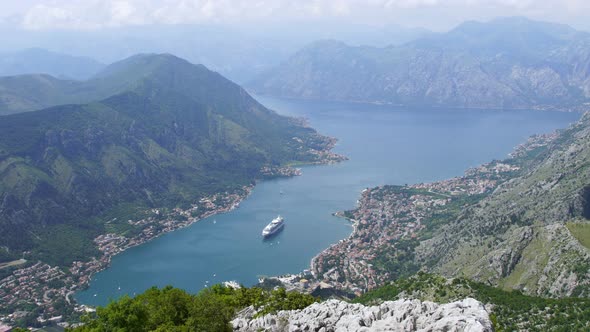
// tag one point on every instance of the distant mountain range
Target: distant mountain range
(506, 63)
(239, 53)
(149, 131)
(41, 61)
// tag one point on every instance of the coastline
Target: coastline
(78, 276)
(395, 214)
(325, 157)
(224, 209)
(539, 108)
(353, 223)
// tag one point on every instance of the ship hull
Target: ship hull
(273, 232)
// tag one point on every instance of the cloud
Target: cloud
(92, 14)
(89, 14)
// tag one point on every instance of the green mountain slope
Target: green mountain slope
(531, 232)
(174, 133)
(521, 223)
(25, 93)
(506, 63)
(32, 92)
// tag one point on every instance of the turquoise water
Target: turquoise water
(385, 146)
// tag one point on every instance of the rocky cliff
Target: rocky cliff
(401, 315)
(506, 63)
(531, 232)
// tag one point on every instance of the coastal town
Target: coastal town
(395, 217)
(40, 294)
(385, 217)
(43, 294)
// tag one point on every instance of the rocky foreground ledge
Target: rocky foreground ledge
(402, 315)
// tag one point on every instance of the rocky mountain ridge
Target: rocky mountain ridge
(521, 236)
(503, 64)
(520, 223)
(401, 315)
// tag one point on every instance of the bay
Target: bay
(386, 145)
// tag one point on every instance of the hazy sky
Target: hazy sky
(433, 14)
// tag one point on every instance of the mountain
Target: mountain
(169, 134)
(506, 63)
(26, 93)
(532, 232)
(522, 223)
(237, 52)
(41, 61)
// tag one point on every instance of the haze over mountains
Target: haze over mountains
(236, 52)
(152, 130)
(41, 61)
(90, 151)
(505, 63)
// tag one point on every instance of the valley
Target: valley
(421, 178)
(376, 156)
(175, 143)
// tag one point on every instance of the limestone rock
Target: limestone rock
(402, 315)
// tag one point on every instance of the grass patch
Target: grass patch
(534, 256)
(581, 231)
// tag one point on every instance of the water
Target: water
(385, 146)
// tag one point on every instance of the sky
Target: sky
(438, 15)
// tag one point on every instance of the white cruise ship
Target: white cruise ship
(275, 226)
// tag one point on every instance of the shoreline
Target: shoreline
(326, 157)
(235, 205)
(26, 284)
(396, 207)
(353, 223)
(537, 108)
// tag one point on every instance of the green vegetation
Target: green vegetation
(398, 259)
(7, 256)
(448, 213)
(581, 231)
(63, 243)
(511, 310)
(172, 309)
(168, 134)
(520, 235)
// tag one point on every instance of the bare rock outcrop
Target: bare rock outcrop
(402, 315)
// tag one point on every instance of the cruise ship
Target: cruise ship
(275, 226)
